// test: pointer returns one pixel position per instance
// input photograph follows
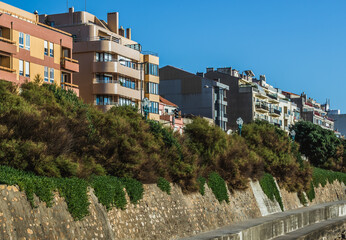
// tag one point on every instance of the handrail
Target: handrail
(70, 59)
(7, 40)
(70, 84)
(7, 69)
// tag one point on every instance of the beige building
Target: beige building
(251, 99)
(311, 110)
(29, 48)
(114, 70)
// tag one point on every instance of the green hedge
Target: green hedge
(269, 187)
(322, 176)
(202, 181)
(164, 185)
(109, 190)
(218, 186)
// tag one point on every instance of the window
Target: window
(152, 69)
(21, 40)
(51, 75)
(27, 42)
(51, 49)
(154, 107)
(46, 74)
(103, 78)
(103, 57)
(27, 69)
(21, 67)
(127, 62)
(152, 88)
(46, 48)
(127, 82)
(0, 32)
(125, 101)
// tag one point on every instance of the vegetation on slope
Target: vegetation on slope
(62, 141)
(321, 146)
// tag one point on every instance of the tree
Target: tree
(320, 145)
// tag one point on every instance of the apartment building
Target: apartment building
(251, 99)
(29, 48)
(115, 69)
(311, 110)
(195, 94)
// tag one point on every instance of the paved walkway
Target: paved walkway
(236, 228)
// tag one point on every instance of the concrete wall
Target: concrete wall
(157, 216)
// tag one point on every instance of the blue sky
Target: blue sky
(300, 45)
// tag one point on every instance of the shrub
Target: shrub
(164, 185)
(302, 198)
(134, 189)
(321, 146)
(279, 155)
(202, 181)
(269, 187)
(322, 176)
(109, 191)
(218, 186)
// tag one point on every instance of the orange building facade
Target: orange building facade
(29, 48)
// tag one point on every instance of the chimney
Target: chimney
(71, 10)
(128, 33)
(113, 21)
(122, 31)
(210, 69)
(263, 78)
(200, 74)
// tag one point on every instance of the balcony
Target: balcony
(287, 115)
(273, 98)
(274, 112)
(70, 86)
(70, 64)
(263, 108)
(114, 88)
(7, 46)
(115, 67)
(106, 44)
(7, 74)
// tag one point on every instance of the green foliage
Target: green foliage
(269, 187)
(202, 181)
(74, 190)
(109, 191)
(302, 198)
(209, 141)
(164, 185)
(134, 189)
(281, 157)
(321, 146)
(218, 186)
(311, 192)
(322, 176)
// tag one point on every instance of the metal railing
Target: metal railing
(150, 53)
(2, 39)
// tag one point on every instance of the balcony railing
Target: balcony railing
(7, 69)
(262, 106)
(104, 38)
(7, 40)
(275, 111)
(107, 103)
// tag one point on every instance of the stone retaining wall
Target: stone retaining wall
(157, 216)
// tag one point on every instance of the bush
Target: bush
(218, 186)
(134, 189)
(164, 185)
(202, 181)
(109, 191)
(322, 176)
(269, 187)
(321, 146)
(279, 155)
